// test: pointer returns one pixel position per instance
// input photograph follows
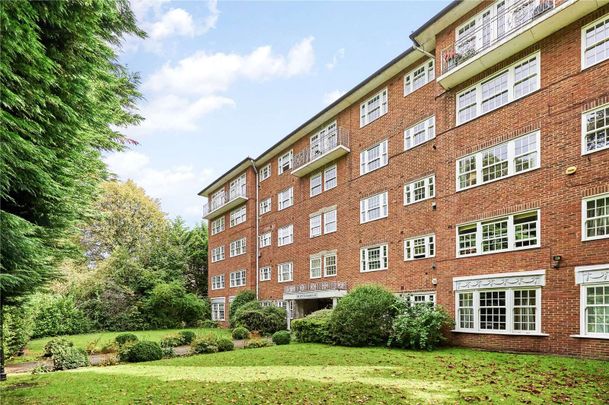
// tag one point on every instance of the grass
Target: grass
(35, 348)
(310, 374)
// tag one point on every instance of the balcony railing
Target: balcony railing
(321, 286)
(321, 150)
(224, 201)
(491, 28)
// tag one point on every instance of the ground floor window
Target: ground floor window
(416, 298)
(594, 300)
(217, 309)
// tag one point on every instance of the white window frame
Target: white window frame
(418, 298)
(238, 187)
(365, 207)
(316, 184)
(585, 218)
(584, 46)
(510, 88)
(284, 201)
(281, 275)
(428, 72)
(328, 221)
(330, 179)
(429, 132)
(265, 239)
(317, 259)
(217, 254)
(266, 273)
(217, 282)
(315, 225)
(265, 206)
(365, 258)
(217, 225)
(285, 233)
(285, 160)
(364, 118)
(585, 131)
(511, 161)
(238, 216)
(218, 309)
(238, 247)
(511, 234)
(591, 276)
(328, 255)
(265, 172)
(238, 278)
(429, 245)
(323, 140)
(429, 187)
(364, 157)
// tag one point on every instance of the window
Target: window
(238, 216)
(265, 273)
(217, 309)
(324, 140)
(412, 299)
(373, 208)
(420, 247)
(417, 78)
(497, 309)
(315, 226)
(265, 172)
(217, 254)
(265, 239)
(285, 198)
(500, 161)
(419, 190)
(330, 221)
(315, 266)
(217, 199)
(237, 247)
(373, 158)
(285, 235)
(374, 258)
(595, 42)
(237, 187)
(330, 264)
(373, 108)
(420, 133)
(330, 178)
(217, 225)
(284, 272)
(513, 232)
(315, 184)
(595, 214)
(284, 162)
(265, 206)
(237, 278)
(518, 80)
(595, 129)
(594, 300)
(217, 282)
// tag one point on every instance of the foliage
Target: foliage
(194, 244)
(267, 320)
(420, 327)
(69, 357)
(205, 344)
(109, 347)
(56, 315)
(257, 343)
(17, 328)
(186, 336)
(240, 333)
(242, 298)
(41, 369)
(207, 323)
(143, 351)
(91, 347)
(124, 338)
(169, 305)
(282, 337)
(225, 344)
(168, 351)
(55, 345)
(172, 340)
(364, 317)
(313, 328)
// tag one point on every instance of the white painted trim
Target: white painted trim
(584, 218)
(536, 278)
(428, 195)
(365, 103)
(584, 133)
(596, 273)
(583, 43)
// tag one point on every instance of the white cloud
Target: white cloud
(332, 96)
(339, 54)
(212, 19)
(126, 163)
(174, 22)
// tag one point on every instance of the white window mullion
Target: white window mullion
(511, 233)
(476, 296)
(509, 311)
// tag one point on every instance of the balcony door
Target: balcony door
(324, 140)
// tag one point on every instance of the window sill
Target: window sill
(499, 251)
(589, 152)
(372, 271)
(590, 337)
(500, 333)
(372, 220)
(590, 239)
(458, 190)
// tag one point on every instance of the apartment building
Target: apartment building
(471, 172)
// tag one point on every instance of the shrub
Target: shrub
(69, 357)
(41, 369)
(257, 343)
(420, 327)
(276, 318)
(17, 327)
(144, 351)
(207, 323)
(205, 344)
(55, 315)
(187, 336)
(240, 333)
(170, 306)
(364, 317)
(267, 320)
(91, 347)
(54, 345)
(282, 337)
(240, 299)
(172, 340)
(314, 328)
(168, 352)
(225, 344)
(124, 338)
(110, 347)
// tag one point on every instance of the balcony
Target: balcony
(322, 150)
(322, 289)
(224, 202)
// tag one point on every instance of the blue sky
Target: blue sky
(225, 80)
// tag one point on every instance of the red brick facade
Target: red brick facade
(555, 110)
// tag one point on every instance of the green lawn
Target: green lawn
(310, 374)
(35, 348)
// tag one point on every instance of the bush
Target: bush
(69, 357)
(225, 344)
(267, 320)
(17, 327)
(282, 337)
(170, 306)
(364, 317)
(257, 343)
(54, 345)
(207, 323)
(91, 347)
(314, 328)
(187, 336)
(420, 327)
(168, 352)
(240, 299)
(55, 315)
(172, 340)
(240, 333)
(124, 338)
(205, 344)
(144, 351)
(110, 347)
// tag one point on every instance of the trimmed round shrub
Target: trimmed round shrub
(266, 320)
(420, 327)
(241, 299)
(257, 343)
(123, 338)
(170, 305)
(55, 345)
(187, 336)
(171, 340)
(282, 337)
(276, 319)
(314, 328)
(364, 317)
(225, 344)
(69, 357)
(205, 344)
(144, 351)
(240, 333)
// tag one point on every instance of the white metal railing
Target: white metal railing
(492, 26)
(321, 145)
(218, 200)
(320, 286)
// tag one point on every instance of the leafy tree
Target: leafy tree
(170, 306)
(195, 248)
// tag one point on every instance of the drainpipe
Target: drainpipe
(256, 241)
